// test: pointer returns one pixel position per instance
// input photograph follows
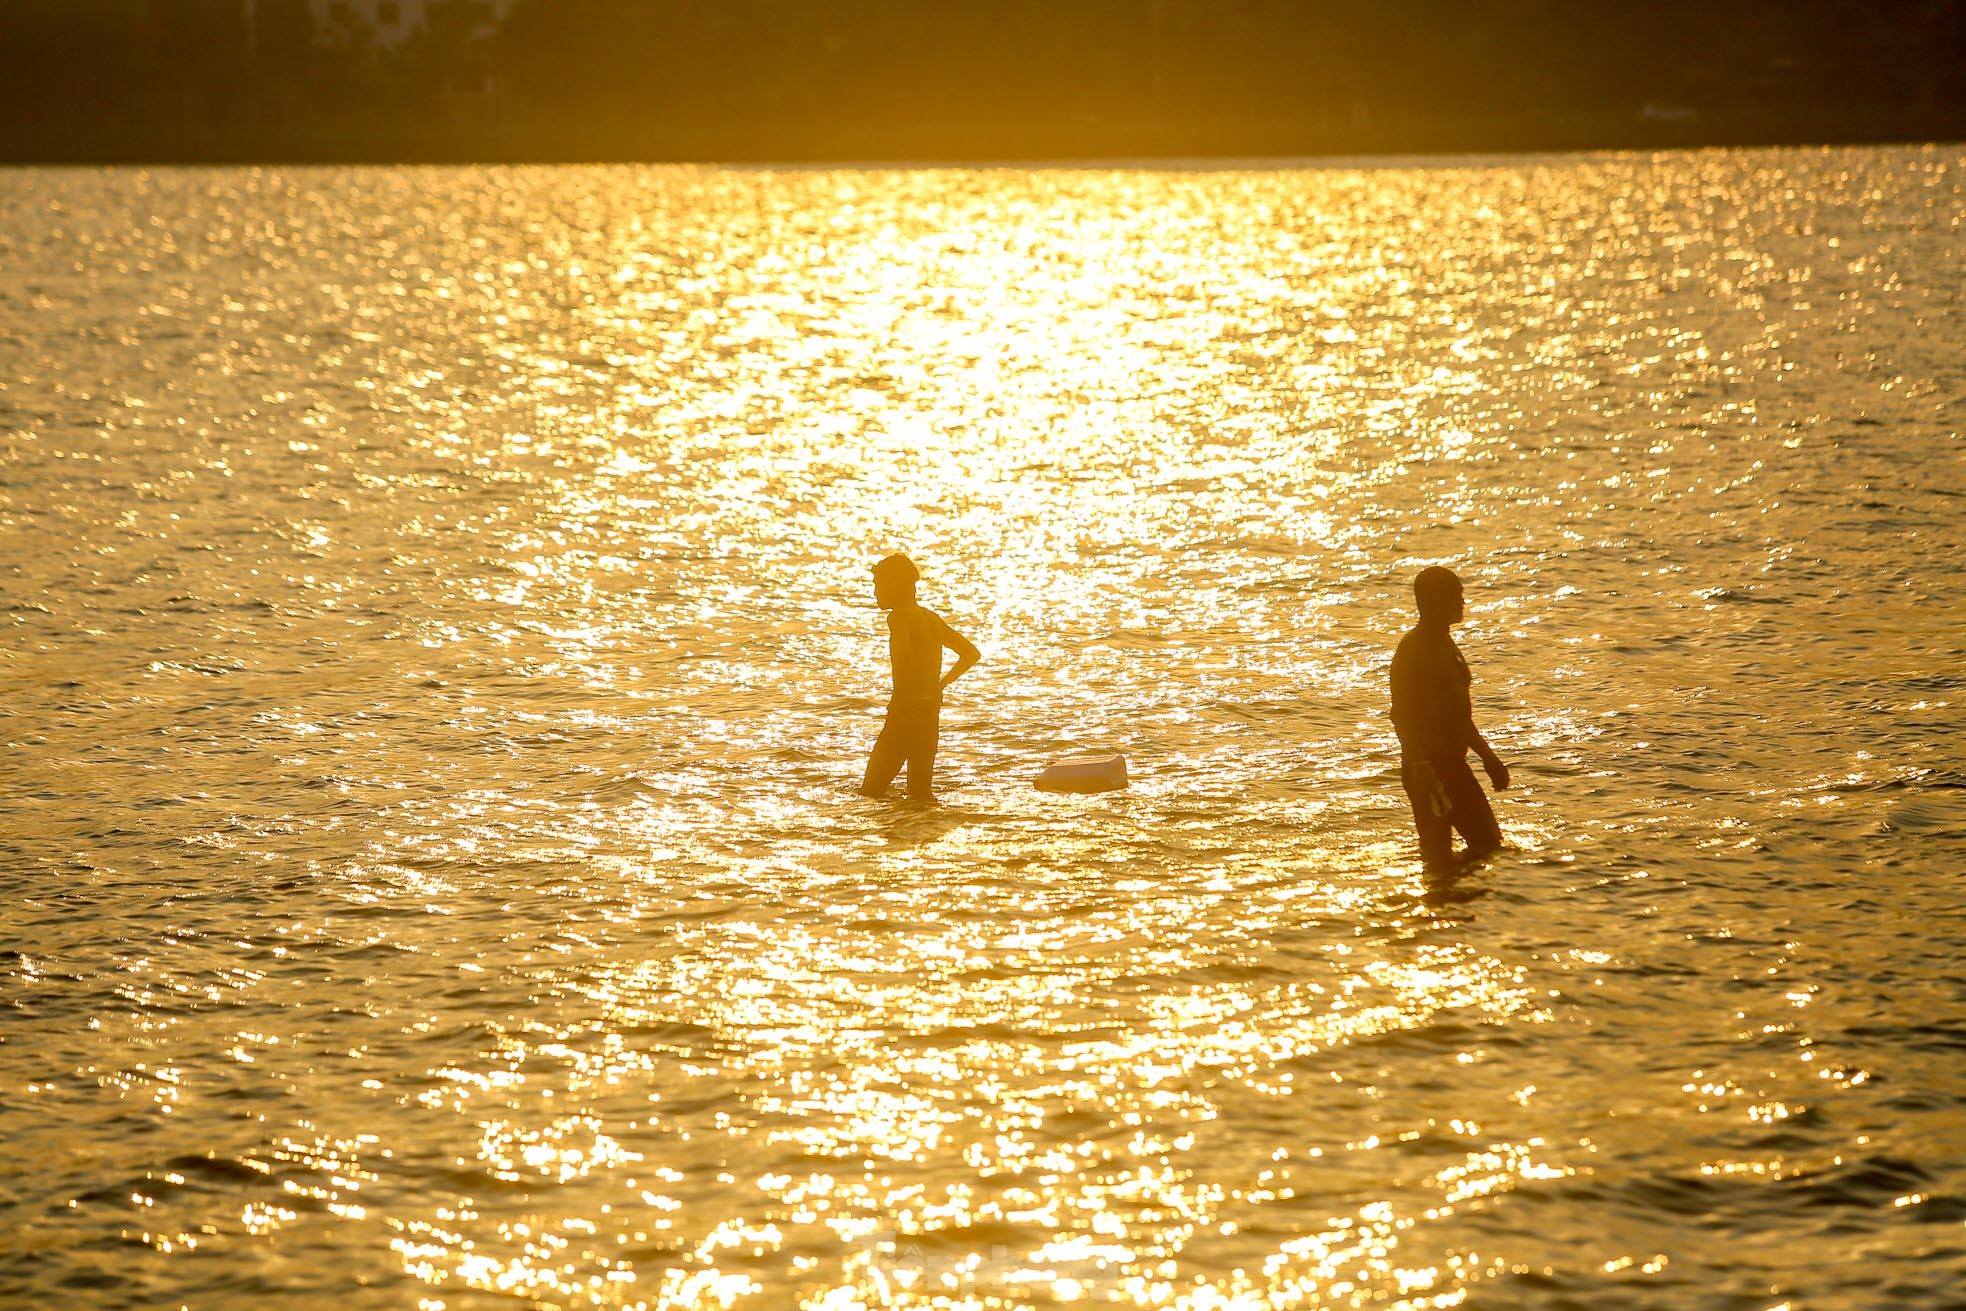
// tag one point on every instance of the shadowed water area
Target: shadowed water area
(439, 656)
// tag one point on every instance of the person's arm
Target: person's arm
(1403, 709)
(1498, 773)
(966, 654)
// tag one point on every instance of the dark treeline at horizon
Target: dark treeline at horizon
(259, 80)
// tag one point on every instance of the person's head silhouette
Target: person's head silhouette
(894, 581)
(1438, 592)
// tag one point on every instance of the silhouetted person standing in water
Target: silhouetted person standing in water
(1434, 717)
(916, 638)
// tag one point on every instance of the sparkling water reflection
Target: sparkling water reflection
(440, 657)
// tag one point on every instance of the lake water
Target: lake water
(440, 656)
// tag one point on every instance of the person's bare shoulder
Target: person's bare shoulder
(944, 629)
(1411, 652)
(915, 623)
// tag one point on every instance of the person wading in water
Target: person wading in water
(916, 638)
(1434, 717)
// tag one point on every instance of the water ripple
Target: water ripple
(440, 659)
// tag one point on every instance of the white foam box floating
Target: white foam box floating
(1084, 774)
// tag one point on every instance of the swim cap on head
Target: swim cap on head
(1436, 588)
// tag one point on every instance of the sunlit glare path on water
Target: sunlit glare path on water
(440, 655)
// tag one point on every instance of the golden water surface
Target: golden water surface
(440, 656)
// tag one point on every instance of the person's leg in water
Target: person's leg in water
(908, 737)
(889, 754)
(924, 735)
(1470, 813)
(1435, 831)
